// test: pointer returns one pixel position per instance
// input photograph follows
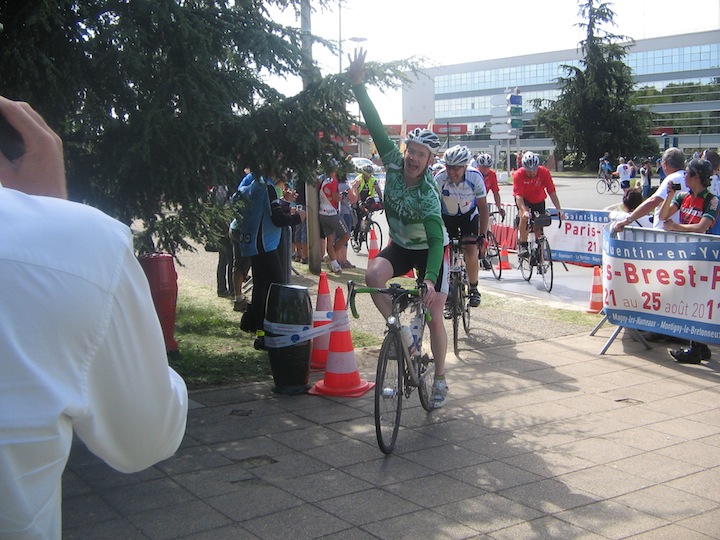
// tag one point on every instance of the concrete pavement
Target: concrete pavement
(541, 439)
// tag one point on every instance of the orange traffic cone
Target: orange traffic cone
(373, 249)
(504, 261)
(341, 373)
(596, 295)
(323, 315)
(410, 274)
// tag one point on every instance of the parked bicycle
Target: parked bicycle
(607, 183)
(539, 254)
(457, 307)
(402, 364)
(491, 259)
(361, 233)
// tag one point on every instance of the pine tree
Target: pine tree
(595, 111)
(156, 100)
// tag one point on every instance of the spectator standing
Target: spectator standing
(300, 246)
(332, 224)
(259, 235)
(714, 159)
(673, 162)
(348, 197)
(220, 199)
(623, 171)
(646, 176)
(698, 210)
(81, 347)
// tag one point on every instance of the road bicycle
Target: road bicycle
(539, 254)
(492, 250)
(607, 183)
(361, 233)
(458, 306)
(400, 368)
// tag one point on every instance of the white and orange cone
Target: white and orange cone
(342, 377)
(322, 316)
(596, 294)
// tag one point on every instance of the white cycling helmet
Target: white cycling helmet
(485, 160)
(530, 161)
(368, 169)
(457, 156)
(425, 137)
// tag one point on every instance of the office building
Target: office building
(462, 93)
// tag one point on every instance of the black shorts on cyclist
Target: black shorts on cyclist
(403, 260)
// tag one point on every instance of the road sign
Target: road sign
(514, 99)
(499, 111)
(498, 100)
(516, 123)
(499, 128)
(515, 111)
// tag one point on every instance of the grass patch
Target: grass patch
(212, 348)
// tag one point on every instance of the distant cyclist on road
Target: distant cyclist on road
(367, 186)
(484, 164)
(530, 185)
(464, 209)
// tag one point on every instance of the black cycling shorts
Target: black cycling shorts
(403, 260)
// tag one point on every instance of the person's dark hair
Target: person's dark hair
(701, 167)
(713, 157)
(632, 199)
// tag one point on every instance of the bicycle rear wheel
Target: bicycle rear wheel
(492, 254)
(601, 186)
(389, 392)
(526, 268)
(427, 377)
(545, 264)
(374, 226)
(614, 185)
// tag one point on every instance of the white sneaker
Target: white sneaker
(335, 268)
(439, 392)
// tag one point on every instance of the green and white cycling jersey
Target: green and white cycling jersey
(413, 213)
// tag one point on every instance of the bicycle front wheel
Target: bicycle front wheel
(601, 186)
(427, 377)
(456, 303)
(545, 264)
(389, 392)
(374, 226)
(465, 304)
(615, 185)
(492, 254)
(526, 268)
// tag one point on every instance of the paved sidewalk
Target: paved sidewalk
(543, 439)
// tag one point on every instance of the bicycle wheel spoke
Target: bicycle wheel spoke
(388, 392)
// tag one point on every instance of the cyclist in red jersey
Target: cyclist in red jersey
(484, 162)
(530, 185)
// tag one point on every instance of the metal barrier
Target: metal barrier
(643, 234)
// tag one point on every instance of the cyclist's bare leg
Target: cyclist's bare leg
(523, 228)
(379, 272)
(471, 262)
(438, 334)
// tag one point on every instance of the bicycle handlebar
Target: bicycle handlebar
(394, 290)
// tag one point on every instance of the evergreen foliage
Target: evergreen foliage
(595, 111)
(156, 100)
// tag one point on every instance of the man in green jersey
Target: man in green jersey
(412, 207)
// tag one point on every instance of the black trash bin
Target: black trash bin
(289, 313)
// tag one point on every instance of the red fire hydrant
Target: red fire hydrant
(162, 277)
